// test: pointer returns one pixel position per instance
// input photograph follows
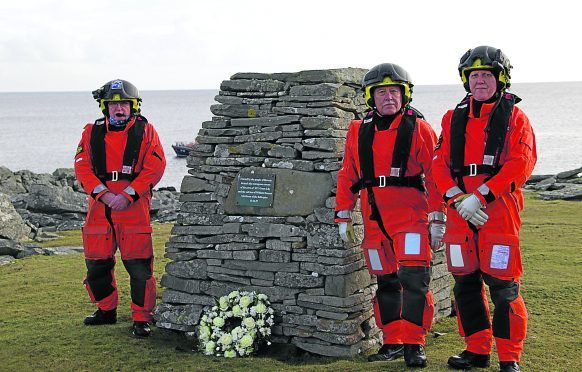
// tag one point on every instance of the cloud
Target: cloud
(70, 45)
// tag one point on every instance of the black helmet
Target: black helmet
(486, 58)
(383, 75)
(118, 90)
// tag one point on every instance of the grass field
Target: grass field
(43, 303)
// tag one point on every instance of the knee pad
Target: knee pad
(415, 281)
(414, 278)
(503, 293)
(389, 298)
(140, 270)
(472, 310)
(100, 277)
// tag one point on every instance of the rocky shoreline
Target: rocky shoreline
(562, 186)
(35, 206)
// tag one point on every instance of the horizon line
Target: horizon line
(218, 89)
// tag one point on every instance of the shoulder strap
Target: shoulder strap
(133, 145)
(365, 141)
(497, 129)
(458, 128)
(403, 142)
(97, 143)
(130, 154)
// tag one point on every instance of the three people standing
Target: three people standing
(405, 179)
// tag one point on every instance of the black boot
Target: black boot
(509, 367)
(467, 360)
(141, 329)
(387, 352)
(414, 356)
(102, 317)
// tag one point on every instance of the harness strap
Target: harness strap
(130, 154)
(382, 181)
(401, 152)
(496, 130)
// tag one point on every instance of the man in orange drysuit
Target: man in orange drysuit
(118, 162)
(485, 154)
(387, 160)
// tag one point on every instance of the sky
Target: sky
(72, 45)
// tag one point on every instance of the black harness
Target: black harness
(400, 154)
(496, 130)
(130, 154)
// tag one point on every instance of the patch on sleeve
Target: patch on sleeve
(80, 149)
(439, 142)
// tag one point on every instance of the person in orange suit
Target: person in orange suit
(485, 153)
(387, 162)
(118, 162)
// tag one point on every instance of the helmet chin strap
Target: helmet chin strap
(118, 123)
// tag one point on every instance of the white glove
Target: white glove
(468, 206)
(437, 231)
(479, 218)
(346, 231)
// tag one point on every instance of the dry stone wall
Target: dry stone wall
(290, 128)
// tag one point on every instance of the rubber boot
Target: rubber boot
(100, 317)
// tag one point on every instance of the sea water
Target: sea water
(40, 131)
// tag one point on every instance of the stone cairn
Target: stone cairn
(291, 127)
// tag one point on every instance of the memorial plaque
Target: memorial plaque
(255, 190)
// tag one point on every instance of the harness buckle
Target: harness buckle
(472, 170)
(382, 180)
(114, 176)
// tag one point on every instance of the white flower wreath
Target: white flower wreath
(236, 325)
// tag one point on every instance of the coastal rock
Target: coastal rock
(11, 224)
(563, 191)
(569, 174)
(183, 315)
(18, 250)
(5, 260)
(544, 184)
(47, 198)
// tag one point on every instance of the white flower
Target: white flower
(205, 333)
(246, 341)
(233, 294)
(225, 339)
(223, 303)
(230, 354)
(260, 308)
(219, 322)
(249, 323)
(245, 301)
(210, 347)
(216, 333)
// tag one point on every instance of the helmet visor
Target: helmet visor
(488, 56)
(375, 76)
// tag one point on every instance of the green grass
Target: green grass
(43, 302)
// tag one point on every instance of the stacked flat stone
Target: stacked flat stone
(292, 125)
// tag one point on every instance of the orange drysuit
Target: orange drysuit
(128, 229)
(403, 304)
(490, 252)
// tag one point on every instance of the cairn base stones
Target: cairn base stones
(257, 214)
